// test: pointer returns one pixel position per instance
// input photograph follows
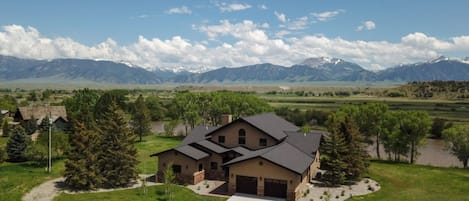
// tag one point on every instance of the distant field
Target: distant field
(457, 111)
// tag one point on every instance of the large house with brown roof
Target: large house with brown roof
(57, 114)
(262, 154)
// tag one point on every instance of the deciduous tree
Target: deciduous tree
(457, 138)
(141, 118)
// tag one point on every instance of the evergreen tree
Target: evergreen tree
(81, 167)
(333, 150)
(16, 145)
(356, 156)
(141, 118)
(169, 179)
(117, 160)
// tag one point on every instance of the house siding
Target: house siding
(252, 136)
(189, 166)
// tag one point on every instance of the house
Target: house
(57, 114)
(262, 154)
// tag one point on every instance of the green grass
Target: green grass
(406, 182)
(154, 193)
(16, 179)
(152, 144)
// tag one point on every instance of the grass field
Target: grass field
(456, 111)
(154, 193)
(152, 144)
(16, 179)
(406, 182)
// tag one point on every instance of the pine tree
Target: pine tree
(117, 160)
(16, 145)
(141, 118)
(332, 153)
(356, 156)
(81, 168)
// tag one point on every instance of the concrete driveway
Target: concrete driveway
(248, 197)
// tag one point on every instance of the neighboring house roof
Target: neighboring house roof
(39, 112)
(3, 112)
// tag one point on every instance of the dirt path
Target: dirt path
(48, 190)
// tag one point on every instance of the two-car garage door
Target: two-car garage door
(275, 188)
(272, 187)
(246, 184)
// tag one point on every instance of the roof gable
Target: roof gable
(39, 112)
(268, 123)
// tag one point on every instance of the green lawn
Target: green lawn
(154, 193)
(406, 182)
(16, 179)
(152, 144)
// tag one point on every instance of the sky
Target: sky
(194, 35)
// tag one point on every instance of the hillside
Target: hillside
(311, 69)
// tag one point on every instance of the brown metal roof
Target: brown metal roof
(39, 112)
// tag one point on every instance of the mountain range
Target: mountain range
(311, 69)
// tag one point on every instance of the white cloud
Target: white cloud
(224, 7)
(297, 24)
(327, 15)
(262, 7)
(281, 17)
(251, 44)
(179, 10)
(367, 25)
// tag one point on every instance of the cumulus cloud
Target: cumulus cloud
(262, 7)
(281, 17)
(179, 10)
(327, 15)
(251, 44)
(224, 7)
(296, 24)
(367, 25)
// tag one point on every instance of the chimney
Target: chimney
(226, 119)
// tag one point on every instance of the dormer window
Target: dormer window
(221, 139)
(242, 136)
(262, 142)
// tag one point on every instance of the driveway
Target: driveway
(248, 197)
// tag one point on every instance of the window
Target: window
(221, 139)
(213, 165)
(176, 169)
(201, 167)
(262, 142)
(241, 136)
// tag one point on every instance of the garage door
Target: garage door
(246, 184)
(275, 188)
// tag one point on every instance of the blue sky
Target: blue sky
(207, 34)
